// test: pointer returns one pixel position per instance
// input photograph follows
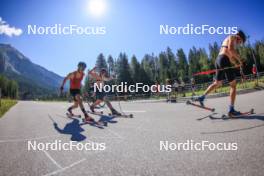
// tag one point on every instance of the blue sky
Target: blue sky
(132, 26)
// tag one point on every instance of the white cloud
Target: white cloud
(7, 30)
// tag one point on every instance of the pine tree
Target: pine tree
(9, 88)
(203, 60)
(163, 67)
(148, 64)
(123, 69)
(101, 63)
(183, 70)
(245, 53)
(111, 65)
(194, 66)
(135, 69)
(2, 63)
(213, 53)
(259, 54)
(172, 65)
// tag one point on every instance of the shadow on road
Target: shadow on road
(208, 116)
(83, 123)
(234, 130)
(72, 128)
(108, 119)
(248, 117)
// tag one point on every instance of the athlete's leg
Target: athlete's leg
(231, 77)
(109, 105)
(212, 87)
(99, 98)
(232, 92)
(80, 102)
(97, 102)
(232, 110)
(75, 105)
(219, 77)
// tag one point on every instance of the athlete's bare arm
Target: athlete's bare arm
(66, 78)
(105, 78)
(94, 75)
(231, 49)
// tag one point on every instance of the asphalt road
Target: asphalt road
(132, 146)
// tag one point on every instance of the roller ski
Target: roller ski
(237, 114)
(115, 113)
(92, 111)
(71, 115)
(91, 121)
(201, 103)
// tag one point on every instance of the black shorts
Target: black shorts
(75, 92)
(100, 95)
(222, 62)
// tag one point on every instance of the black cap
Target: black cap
(82, 64)
(241, 34)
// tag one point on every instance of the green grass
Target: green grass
(6, 104)
(225, 89)
(248, 84)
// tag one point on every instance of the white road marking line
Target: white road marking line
(115, 133)
(105, 137)
(65, 168)
(135, 111)
(53, 160)
(29, 139)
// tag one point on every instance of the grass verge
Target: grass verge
(6, 104)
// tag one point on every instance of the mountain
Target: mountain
(33, 79)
